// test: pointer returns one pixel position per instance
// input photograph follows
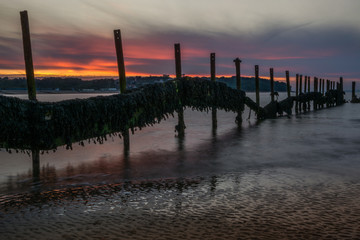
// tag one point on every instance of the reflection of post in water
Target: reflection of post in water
(126, 168)
(213, 183)
(35, 154)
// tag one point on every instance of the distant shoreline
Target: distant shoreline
(15, 92)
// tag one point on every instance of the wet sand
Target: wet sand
(282, 203)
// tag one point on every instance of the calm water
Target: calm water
(296, 177)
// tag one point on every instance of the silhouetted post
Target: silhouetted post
(212, 66)
(341, 90)
(28, 55)
(122, 80)
(181, 123)
(315, 90)
(272, 84)
(288, 83)
(29, 68)
(308, 92)
(237, 62)
(297, 94)
(327, 90)
(177, 60)
(120, 60)
(213, 78)
(257, 85)
(300, 90)
(305, 89)
(323, 86)
(353, 95)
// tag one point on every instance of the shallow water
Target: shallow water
(288, 178)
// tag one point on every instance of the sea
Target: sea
(294, 177)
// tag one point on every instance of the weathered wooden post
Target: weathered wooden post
(181, 123)
(30, 79)
(297, 94)
(272, 84)
(288, 83)
(122, 81)
(341, 94)
(300, 89)
(257, 85)
(353, 95)
(237, 62)
(315, 90)
(177, 60)
(28, 55)
(305, 84)
(213, 78)
(323, 86)
(309, 91)
(327, 90)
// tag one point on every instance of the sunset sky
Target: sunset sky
(75, 37)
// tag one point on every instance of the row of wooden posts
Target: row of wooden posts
(319, 84)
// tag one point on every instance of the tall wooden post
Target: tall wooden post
(305, 84)
(28, 55)
(341, 90)
(180, 128)
(29, 68)
(288, 83)
(323, 86)
(272, 84)
(120, 60)
(122, 81)
(297, 94)
(309, 91)
(237, 62)
(212, 66)
(353, 95)
(213, 78)
(315, 90)
(300, 90)
(257, 85)
(327, 90)
(177, 60)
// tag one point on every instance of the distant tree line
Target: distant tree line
(51, 83)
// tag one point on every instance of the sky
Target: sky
(75, 37)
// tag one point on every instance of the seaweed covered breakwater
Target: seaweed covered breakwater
(28, 124)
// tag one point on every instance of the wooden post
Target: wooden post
(257, 85)
(29, 68)
(309, 91)
(297, 94)
(213, 78)
(272, 84)
(323, 86)
(120, 60)
(353, 95)
(315, 90)
(288, 83)
(180, 128)
(28, 55)
(177, 60)
(237, 62)
(122, 81)
(327, 90)
(212, 66)
(305, 84)
(341, 90)
(300, 90)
